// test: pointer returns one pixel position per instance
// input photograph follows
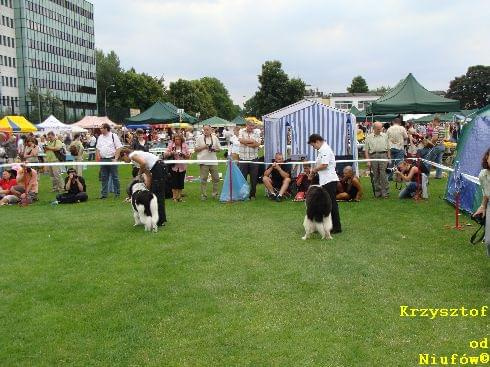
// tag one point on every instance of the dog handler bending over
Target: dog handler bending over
(325, 166)
(154, 171)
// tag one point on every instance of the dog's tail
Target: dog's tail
(154, 209)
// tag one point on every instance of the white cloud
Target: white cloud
(324, 42)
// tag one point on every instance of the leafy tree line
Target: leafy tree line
(126, 89)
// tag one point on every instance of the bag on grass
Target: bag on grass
(239, 189)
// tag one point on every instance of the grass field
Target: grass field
(234, 285)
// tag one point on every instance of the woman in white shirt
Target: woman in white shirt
(234, 145)
(484, 208)
(154, 170)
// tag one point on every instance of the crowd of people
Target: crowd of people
(397, 142)
(385, 143)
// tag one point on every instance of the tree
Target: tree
(221, 98)
(193, 97)
(108, 70)
(276, 90)
(49, 103)
(358, 85)
(134, 90)
(471, 89)
(382, 90)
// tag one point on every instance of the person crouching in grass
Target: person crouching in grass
(349, 187)
(76, 190)
(26, 190)
(415, 176)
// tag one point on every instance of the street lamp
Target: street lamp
(105, 97)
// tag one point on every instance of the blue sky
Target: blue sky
(326, 43)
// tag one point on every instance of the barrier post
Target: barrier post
(231, 179)
(457, 184)
(418, 191)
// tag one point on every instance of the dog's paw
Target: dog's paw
(304, 238)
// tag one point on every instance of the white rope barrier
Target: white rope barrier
(222, 161)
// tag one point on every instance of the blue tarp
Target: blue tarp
(472, 145)
(240, 190)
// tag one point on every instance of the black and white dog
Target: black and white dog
(145, 205)
(318, 216)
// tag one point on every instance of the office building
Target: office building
(54, 51)
(9, 92)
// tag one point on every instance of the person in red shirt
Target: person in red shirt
(6, 183)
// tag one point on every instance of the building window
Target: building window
(343, 105)
(362, 105)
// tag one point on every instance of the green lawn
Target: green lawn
(234, 285)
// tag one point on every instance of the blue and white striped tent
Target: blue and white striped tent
(308, 117)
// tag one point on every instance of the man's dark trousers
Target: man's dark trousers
(331, 188)
(249, 168)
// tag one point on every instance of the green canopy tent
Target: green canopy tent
(160, 113)
(239, 121)
(185, 117)
(410, 97)
(361, 116)
(216, 121)
(156, 114)
(450, 116)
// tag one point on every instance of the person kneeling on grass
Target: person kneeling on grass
(414, 176)
(349, 188)
(277, 178)
(76, 191)
(26, 190)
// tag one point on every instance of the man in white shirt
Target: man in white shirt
(249, 150)
(108, 150)
(397, 135)
(92, 141)
(325, 166)
(206, 147)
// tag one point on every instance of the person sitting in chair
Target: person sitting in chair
(277, 178)
(416, 178)
(303, 182)
(76, 191)
(349, 188)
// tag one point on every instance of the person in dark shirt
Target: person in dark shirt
(277, 178)
(76, 191)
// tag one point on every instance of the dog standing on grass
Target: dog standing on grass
(318, 216)
(145, 205)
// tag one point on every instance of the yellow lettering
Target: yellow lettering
(403, 311)
(423, 359)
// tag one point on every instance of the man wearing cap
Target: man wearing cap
(377, 147)
(108, 149)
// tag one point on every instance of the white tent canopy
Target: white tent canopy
(77, 129)
(94, 122)
(52, 123)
